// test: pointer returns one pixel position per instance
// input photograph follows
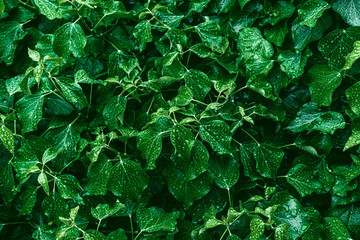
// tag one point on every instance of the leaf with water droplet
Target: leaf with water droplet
(268, 160)
(301, 177)
(257, 228)
(335, 229)
(353, 97)
(349, 11)
(310, 11)
(217, 134)
(224, 171)
(155, 219)
(102, 211)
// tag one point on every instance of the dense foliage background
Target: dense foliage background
(174, 119)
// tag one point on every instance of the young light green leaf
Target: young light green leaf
(102, 211)
(7, 139)
(311, 10)
(50, 154)
(257, 228)
(281, 232)
(198, 82)
(301, 177)
(268, 160)
(49, 8)
(353, 56)
(43, 181)
(29, 109)
(69, 187)
(353, 97)
(72, 91)
(69, 39)
(217, 134)
(128, 180)
(324, 81)
(349, 11)
(293, 63)
(155, 219)
(335, 46)
(34, 55)
(225, 172)
(353, 140)
(10, 34)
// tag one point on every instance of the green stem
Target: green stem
(287, 145)
(132, 227)
(223, 235)
(137, 236)
(229, 196)
(250, 136)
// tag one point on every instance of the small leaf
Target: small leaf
(311, 10)
(225, 172)
(128, 180)
(72, 91)
(102, 211)
(43, 181)
(198, 83)
(281, 232)
(292, 63)
(268, 159)
(353, 97)
(69, 187)
(50, 154)
(10, 34)
(257, 228)
(353, 140)
(113, 112)
(155, 219)
(353, 56)
(28, 199)
(49, 8)
(324, 81)
(210, 34)
(142, 33)
(301, 177)
(34, 55)
(7, 139)
(217, 134)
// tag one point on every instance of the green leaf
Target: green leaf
(276, 34)
(353, 56)
(242, 3)
(10, 34)
(94, 235)
(167, 17)
(99, 175)
(259, 84)
(349, 11)
(50, 154)
(7, 182)
(311, 118)
(335, 229)
(118, 234)
(183, 141)
(184, 96)
(217, 134)
(102, 211)
(251, 43)
(155, 219)
(29, 109)
(353, 140)
(257, 228)
(293, 63)
(128, 180)
(353, 97)
(64, 137)
(72, 91)
(2, 8)
(69, 39)
(225, 172)
(324, 81)
(224, 5)
(281, 232)
(28, 199)
(268, 160)
(311, 10)
(149, 141)
(114, 110)
(49, 8)
(69, 187)
(198, 82)
(7, 139)
(335, 46)
(142, 33)
(34, 55)
(54, 206)
(43, 181)
(187, 192)
(210, 34)
(301, 177)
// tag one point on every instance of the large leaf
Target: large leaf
(324, 81)
(10, 34)
(198, 83)
(217, 134)
(302, 178)
(49, 8)
(293, 64)
(210, 34)
(268, 159)
(29, 110)
(311, 10)
(69, 187)
(128, 180)
(155, 219)
(349, 10)
(225, 172)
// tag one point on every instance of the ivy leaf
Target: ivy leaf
(43, 181)
(7, 139)
(217, 134)
(349, 11)
(155, 219)
(128, 180)
(335, 46)
(99, 175)
(198, 82)
(114, 110)
(268, 160)
(353, 140)
(293, 63)
(324, 81)
(209, 33)
(28, 199)
(225, 5)
(225, 172)
(54, 207)
(102, 211)
(257, 228)
(7, 182)
(182, 140)
(49, 8)
(93, 234)
(302, 179)
(69, 39)
(353, 56)
(335, 229)
(69, 187)
(142, 33)
(352, 95)
(72, 91)
(10, 34)
(64, 137)
(310, 11)
(29, 109)
(311, 118)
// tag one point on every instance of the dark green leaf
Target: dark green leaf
(349, 10)
(217, 134)
(156, 219)
(29, 110)
(10, 34)
(311, 10)
(268, 159)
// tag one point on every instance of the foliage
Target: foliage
(174, 119)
